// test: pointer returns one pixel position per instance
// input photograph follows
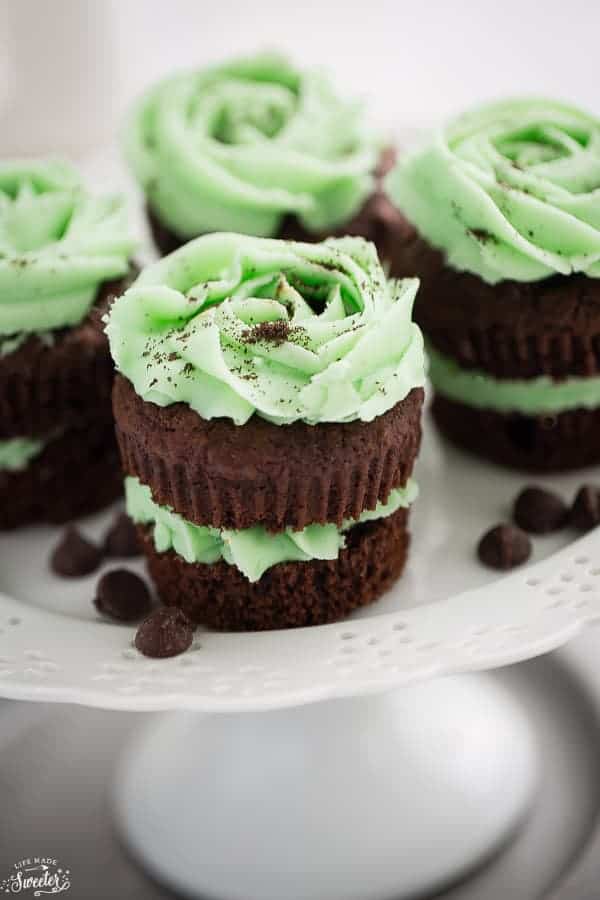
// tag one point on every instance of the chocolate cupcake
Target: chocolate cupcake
(504, 206)
(259, 147)
(268, 415)
(64, 255)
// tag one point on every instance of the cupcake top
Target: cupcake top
(58, 243)
(233, 325)
(237, 147)
(509, 191)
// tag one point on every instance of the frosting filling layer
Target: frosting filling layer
(58, 244)
(17, 453)
(237, 147)
(532, 396)
(509, 191)
(251, 550)
(233, 325)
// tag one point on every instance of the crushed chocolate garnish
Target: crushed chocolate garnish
(274, 332)
(480, 234)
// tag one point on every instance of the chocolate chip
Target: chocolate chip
(75, 556)
(539, 511)
(504, 547)
(165, 632)
(121, 540)
(585, 511)
(122, 595)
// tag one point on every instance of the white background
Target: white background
(68, 68)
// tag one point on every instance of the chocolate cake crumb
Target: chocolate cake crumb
(274, 332)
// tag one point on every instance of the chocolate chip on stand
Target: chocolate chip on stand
(165, 632)
(75, 556)
(123, 596)
(504, 547)
(585, 511)
(121, 540)
(539, 511)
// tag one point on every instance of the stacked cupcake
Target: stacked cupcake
(64, 254)
(268, 414)
(260, 147)
(505, 205)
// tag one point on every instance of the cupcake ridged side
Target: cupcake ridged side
(216, 473)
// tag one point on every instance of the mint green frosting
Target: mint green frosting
(17, 453)
(252, 550)
(532, 396)
(58, 243)
(510, 190)
(341, 346)
(237, 147)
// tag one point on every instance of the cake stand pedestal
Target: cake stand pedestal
(376, 798)
(352, 760)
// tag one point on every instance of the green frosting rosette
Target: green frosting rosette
(233, 325)
(509, 191)
(58, 243)
(239, 146)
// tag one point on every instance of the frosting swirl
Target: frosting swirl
(509, 191)
(233, 325)
(58, 243)
(239, 146)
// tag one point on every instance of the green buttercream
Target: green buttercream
(17, 453)
(58, 243)
(532, 396)
(341, 345)
(252, 550)
(239, 146)
(509, 191)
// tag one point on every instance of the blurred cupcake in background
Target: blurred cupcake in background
(268, 409)
(259, 147)
(64, 255)
(504, 233)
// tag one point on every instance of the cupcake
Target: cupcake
(268, 409)
(504, 206)
(64, 254)
(259, 147)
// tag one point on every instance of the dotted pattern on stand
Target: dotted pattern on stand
(44, 656)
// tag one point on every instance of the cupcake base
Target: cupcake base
(76, 474)
(220, 474)
(545, 443)
(288, 595)
(61, 383)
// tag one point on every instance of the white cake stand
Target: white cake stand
(375, 793)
